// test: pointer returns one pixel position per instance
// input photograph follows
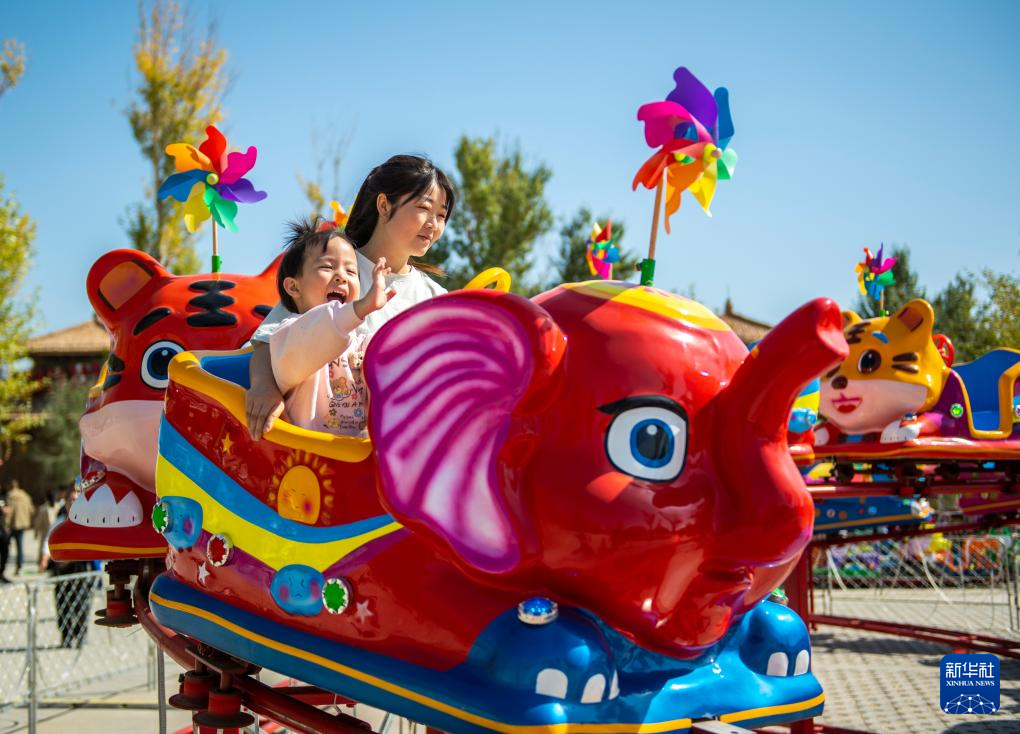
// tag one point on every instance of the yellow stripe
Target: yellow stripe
(562, 728)
(120, 549)
(186, 370)
(268, 547)
(789, 708)
(648, 299)
(915, 452)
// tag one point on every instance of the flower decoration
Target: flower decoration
(601, 250)
(210, 180)
(692, 129)
(875, 273)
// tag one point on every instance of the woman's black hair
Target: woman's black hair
(303, 235)
(402, 178)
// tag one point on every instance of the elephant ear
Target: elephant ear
(446, 379)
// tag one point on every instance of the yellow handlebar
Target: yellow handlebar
(498, 278)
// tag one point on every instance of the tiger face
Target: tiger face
(152, 316)
(893, 369)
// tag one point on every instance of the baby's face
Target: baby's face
(329, 275)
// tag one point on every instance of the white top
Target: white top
(412, 288)
(317, 360)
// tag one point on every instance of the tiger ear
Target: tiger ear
(850, 318)
(118, 277)
(270, 272)
(914, 316)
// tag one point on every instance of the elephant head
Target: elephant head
(609, 445)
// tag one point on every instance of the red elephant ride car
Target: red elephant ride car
(568, 514)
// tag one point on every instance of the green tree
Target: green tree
(570, 264)
(54, 455)
(907, 287)
(501, 212)
(16, 385)
(180, 92)
(12, 64)
(1002, 316)
(961, 315)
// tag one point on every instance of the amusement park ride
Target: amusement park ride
(522, 545)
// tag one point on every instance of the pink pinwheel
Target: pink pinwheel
(210, 180)
(692, 129)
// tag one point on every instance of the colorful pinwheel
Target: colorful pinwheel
(874, 274)
(340, 217)
(210, 181)
(601, 250)
(692, 129)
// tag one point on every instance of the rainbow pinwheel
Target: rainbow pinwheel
(601, 250)
(692, 129)
(210, 180)
(874, 274)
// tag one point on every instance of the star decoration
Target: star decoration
(226, 444)
(203, 573)
(363, 612)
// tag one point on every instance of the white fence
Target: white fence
(49, 645)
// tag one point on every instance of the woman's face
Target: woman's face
(417, 223)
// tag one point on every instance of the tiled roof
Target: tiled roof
(748, 330)
(86, 339)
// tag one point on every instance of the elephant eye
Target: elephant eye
(648, 441)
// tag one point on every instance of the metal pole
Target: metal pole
(161, 689)
(33, 696)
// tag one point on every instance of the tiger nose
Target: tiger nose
(838, 382)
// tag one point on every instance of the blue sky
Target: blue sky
(856, 123)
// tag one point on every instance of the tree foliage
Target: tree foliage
(501, 212)
(180, 91)
(906, 289)
(570, 264)
(16, 385)
(54, 455)
(1002, 315)
(12, 64)
(961, 315)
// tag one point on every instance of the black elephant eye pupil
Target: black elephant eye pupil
(652, 442)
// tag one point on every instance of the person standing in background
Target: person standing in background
(72, 596)
(5, 539)
(19, 519)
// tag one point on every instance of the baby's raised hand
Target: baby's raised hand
(377, 295)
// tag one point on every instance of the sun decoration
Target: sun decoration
(336, 595)
(302, 492)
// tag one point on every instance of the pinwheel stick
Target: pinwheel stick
(648, 264)
(216, 262)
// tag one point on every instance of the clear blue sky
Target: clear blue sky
(856, 123)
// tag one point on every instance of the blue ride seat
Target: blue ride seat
(981, 384)
(230, 367)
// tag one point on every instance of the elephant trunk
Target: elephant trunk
(762, 495)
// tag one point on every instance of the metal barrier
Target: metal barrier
(966, 581)
(48, 644)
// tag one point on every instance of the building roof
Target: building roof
(747, 329)
(87, 339)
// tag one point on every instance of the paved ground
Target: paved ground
(873, 683)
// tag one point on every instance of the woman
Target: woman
(400, 211)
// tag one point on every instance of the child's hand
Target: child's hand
(263, 404)
(377, 295)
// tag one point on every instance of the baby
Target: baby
(315, 354)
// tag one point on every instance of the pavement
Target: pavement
(873, 683)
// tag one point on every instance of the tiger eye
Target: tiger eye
(869, 362)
